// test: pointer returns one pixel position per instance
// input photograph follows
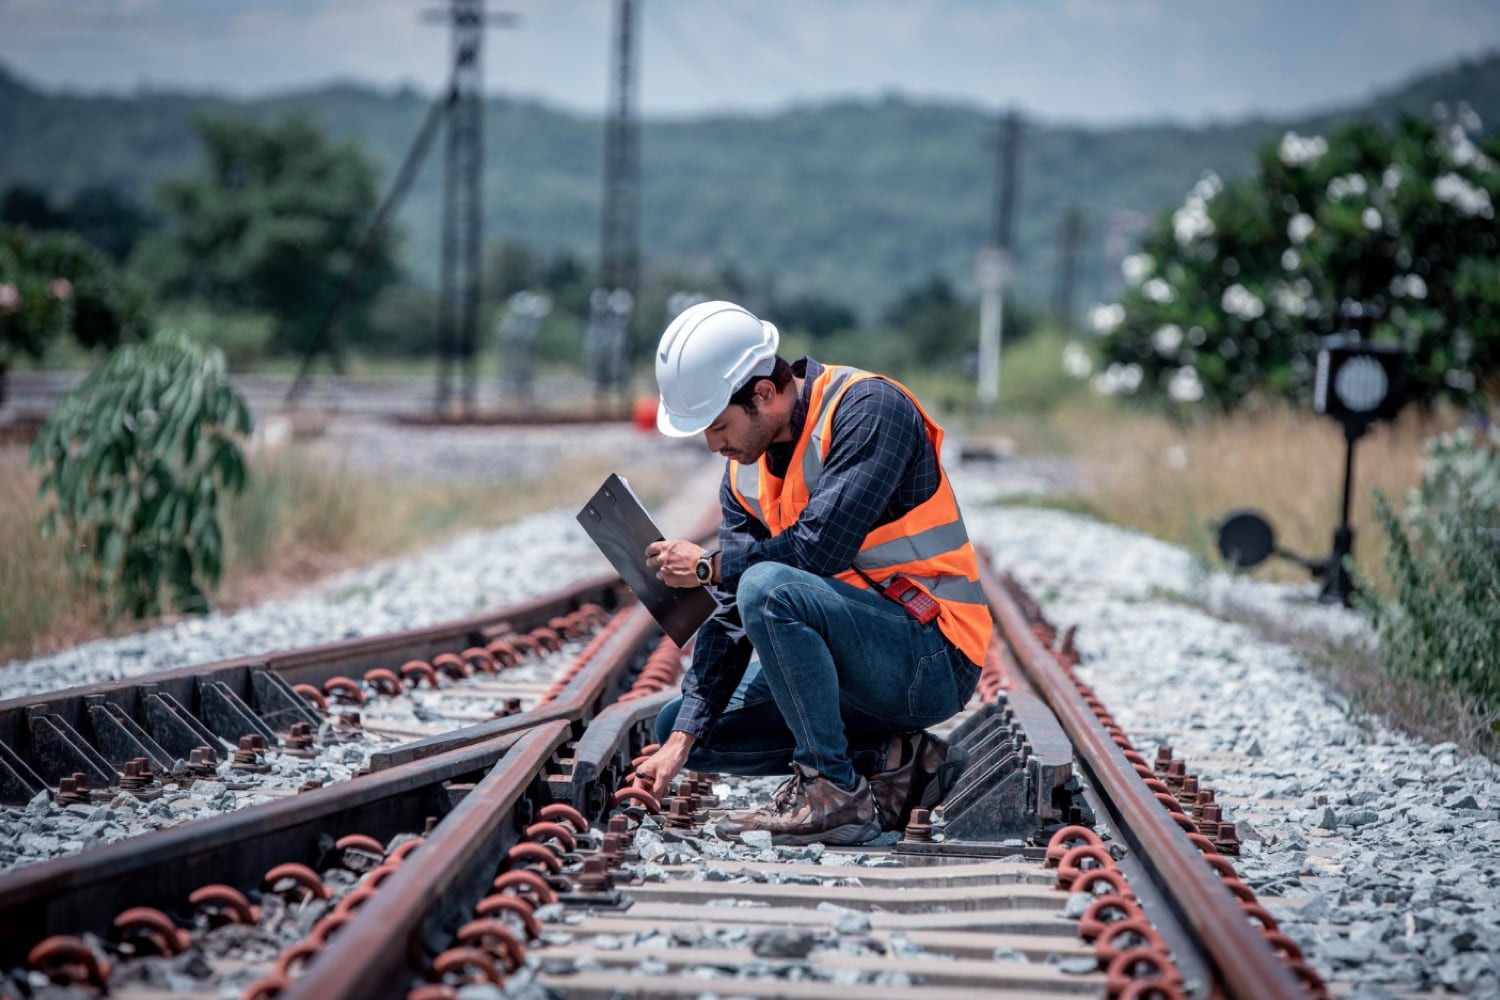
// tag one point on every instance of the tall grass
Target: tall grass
(40, 595)
(1175, 482)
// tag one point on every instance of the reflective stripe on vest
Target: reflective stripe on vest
(929, 544)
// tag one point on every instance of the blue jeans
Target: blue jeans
(842, 669)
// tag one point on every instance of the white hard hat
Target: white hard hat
(705, 355)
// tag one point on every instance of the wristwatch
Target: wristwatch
(705, 567)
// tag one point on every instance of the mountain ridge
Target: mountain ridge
(855, 199)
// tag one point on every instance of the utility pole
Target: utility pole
(463, 203)
(459, 108)
(1071, 231)
(613, 302)
(995, 262)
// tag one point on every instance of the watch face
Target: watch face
(704, 569)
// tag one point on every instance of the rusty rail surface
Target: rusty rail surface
(1242, 961)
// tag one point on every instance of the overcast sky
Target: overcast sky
(1084, 60)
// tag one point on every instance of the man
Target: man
(843, 562)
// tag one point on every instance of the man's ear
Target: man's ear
(765, 392)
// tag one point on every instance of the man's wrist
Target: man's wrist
(706, 569)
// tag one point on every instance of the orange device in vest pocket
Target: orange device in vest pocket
(917, 602)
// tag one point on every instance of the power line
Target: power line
(666, 20)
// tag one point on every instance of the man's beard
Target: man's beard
(760, 436)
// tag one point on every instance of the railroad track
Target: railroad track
(516, 852)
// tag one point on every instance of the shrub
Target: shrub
(135, 458)
(1444, 564)
(54, 285)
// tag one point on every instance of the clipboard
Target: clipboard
(620, 526)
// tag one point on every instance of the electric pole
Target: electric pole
(460, 108)
(613, 302)
(1071, 231)
(463, 203)
(993, 266)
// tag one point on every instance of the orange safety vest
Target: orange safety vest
(928, 545)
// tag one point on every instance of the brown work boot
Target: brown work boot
(928, 771)
(810, 809)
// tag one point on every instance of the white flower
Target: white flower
(1299, 227)
(1290, 259)
(1391, 178)
(1076, 361)
(1157, 290)
(1167, 339)
(1370, 218)
(1460, 148)
(1297, 151)
(1191, 221)
(1136, 267)
(1117, 380)
(1411, 286)
(1184, 386)
(1238, 300)
(1468, 199)
(1106, 318)
(10, 298)
(1291, 299)
(1348, 184)
(60, 289)
(1208, 185)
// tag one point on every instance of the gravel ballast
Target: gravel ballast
(1377, 853)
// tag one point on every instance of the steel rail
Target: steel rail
(372, 956)
(1243, 962)
(162, 868)
(83, 892)
(262, 683)
(584, 695)
(394, 937)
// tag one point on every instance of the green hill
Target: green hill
(858, 200)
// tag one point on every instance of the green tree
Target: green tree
(272, 225)
(135, 459)
(54, 285)
(1231, 291)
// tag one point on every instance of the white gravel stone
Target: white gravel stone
(1373, 850)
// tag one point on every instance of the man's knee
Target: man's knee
(667, 718)
(757, 586)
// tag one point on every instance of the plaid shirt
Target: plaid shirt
(880, 465)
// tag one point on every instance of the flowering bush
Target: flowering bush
(1229, 293)
(54, 284)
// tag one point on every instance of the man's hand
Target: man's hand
(675, 562)
(657, 771)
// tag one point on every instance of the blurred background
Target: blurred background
(1106, 232)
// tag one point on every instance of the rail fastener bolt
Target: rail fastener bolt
(299, 741)
(919, 828)
(248, 757)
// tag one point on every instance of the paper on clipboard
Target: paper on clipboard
(617, 522)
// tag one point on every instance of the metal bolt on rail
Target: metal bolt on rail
(248, 756)
(919, 827)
